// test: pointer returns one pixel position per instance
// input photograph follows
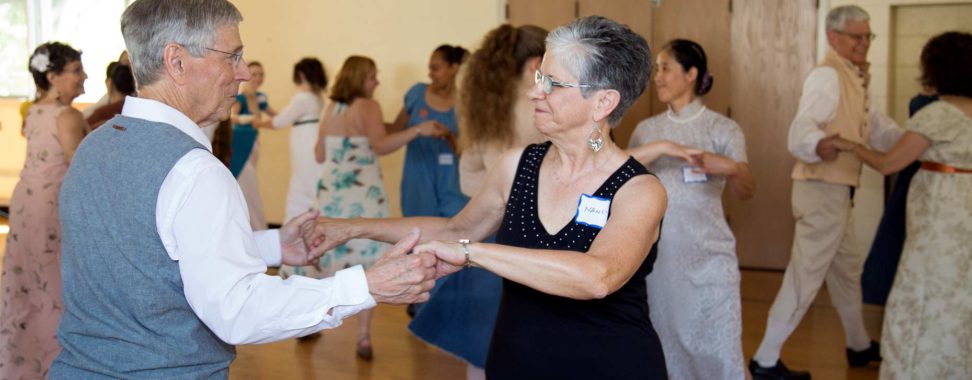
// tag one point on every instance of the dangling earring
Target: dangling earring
(596, 139)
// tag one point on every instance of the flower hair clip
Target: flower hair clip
(706, 79)
(40, 62)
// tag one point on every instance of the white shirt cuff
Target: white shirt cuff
(268, 246)
(351, 292)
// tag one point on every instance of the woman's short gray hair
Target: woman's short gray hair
(605, 55)
(149, 25)
(838, 17)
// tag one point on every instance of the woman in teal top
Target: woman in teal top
(430, 178)
(244, 134)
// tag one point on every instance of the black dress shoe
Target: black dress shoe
(857, 359)
(777, 372)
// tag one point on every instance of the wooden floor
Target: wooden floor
(817, 345)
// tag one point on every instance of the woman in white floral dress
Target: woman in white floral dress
(928, 318)
(352, 135)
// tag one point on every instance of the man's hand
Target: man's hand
(826, 148)
(399, 278)
(450, 256)
(294, 249)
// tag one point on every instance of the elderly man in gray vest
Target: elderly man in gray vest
(162, 274)
(834, 105)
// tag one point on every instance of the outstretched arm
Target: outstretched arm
(909, 148)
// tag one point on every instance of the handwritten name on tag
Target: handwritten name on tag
(592, 211)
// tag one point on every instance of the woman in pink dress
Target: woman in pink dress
(31, 279)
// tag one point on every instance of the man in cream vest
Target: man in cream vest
(834, 104)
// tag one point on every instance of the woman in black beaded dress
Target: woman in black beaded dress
(576, 220)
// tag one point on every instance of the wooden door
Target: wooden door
(550, 14)
(707, 23)
(773, 48)
(638, 15)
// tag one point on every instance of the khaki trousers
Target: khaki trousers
(823, 249)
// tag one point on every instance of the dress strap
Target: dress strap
(630, 169)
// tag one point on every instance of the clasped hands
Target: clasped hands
(828, 147)
(396, 278)
(707, 162)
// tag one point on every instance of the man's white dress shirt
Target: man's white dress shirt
(203, 222)
(818, 106)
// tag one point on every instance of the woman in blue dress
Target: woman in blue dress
(430, 178)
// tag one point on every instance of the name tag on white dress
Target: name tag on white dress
(592, 211)
(690, 176)
(446, 159)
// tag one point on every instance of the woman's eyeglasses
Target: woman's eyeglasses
(547, 84)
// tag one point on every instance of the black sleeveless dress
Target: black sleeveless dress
(542, 336)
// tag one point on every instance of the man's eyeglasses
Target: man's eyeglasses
(547, 84)
(858, 37)
(237, 57)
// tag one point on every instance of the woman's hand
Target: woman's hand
(450, 256)
(844, 145)
(648, 153)
(716, 164)
(323, 234)
(432, 128)
(684, 152)
(247, 90)
(740, 177)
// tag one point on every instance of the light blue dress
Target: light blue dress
(460, 315)
(430, 178)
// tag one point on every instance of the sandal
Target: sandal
(364, 350)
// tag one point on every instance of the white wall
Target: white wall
(398, 35)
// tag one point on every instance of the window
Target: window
(92, 26)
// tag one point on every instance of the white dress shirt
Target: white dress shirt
(203, 222)
(818, 106)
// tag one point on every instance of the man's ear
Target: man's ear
(607, 101)
(174, 58)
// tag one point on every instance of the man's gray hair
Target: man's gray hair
(605, 55)
(838, 17)
(149, 25)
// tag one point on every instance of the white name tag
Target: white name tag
(690, 176)
(592, 211)
(446, 159)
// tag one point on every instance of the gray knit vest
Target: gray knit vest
(125, 313)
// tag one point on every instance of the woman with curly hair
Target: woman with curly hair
(495, 115)
(31, 281)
